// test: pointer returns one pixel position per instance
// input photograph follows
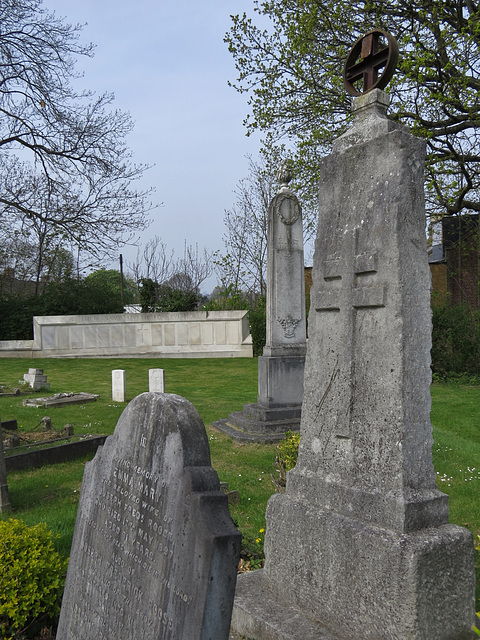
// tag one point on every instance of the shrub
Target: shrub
(32, 577)
(455, 340)
(286, 458)
(258, 325)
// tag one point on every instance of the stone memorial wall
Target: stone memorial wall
(193, 334)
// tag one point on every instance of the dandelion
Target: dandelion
(258, 540)
(262, 530)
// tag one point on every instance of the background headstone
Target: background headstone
(281, 367)
(5, 504)
(118, 385)
(36, 379)
(156, 380)
(154, 553)
(359, 545)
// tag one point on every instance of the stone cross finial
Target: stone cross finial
(284, 174)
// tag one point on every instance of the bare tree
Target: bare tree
(245, 262)
(154, 262)
(70, 145)
(193, 269)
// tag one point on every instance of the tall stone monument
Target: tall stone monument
(359, 546)
(281, 368)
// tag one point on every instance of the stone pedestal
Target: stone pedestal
(359, 546)
(36, 379)
(281, 368)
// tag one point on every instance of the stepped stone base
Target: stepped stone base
(260, 424)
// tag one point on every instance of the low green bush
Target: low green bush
(32, 577)
(455, 341)
(286, 459)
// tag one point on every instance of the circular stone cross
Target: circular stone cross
(365, 60)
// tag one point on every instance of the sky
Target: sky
(167, 64)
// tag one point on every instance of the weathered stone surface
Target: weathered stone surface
(5, 504)
(359, 545)
(61, 400)
(281, 368)
(36, 379)
(155, 552)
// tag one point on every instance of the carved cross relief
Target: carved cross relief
(348, 289)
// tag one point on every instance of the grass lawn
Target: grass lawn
(216, 387)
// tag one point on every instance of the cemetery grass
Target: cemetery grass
(216, 387)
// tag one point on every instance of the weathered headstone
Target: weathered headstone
(118, 385)
(36, 379)
(359, 545)
(154, 553)
(5, 504)
(281, 367)
(156, 380)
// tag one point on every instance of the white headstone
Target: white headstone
(156, 380)
(118, 385)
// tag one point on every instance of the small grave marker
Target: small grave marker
(118, 385)
(156, 380)
(36, 379)
(154, 553)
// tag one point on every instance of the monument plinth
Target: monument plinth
(359, 545)
(281, 367)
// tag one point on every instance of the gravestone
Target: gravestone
(5, 504)
(155, 553)
(118, 385)
(36, 379)
(359, 545)
(61, 400)
(156, 380)
(281, 367)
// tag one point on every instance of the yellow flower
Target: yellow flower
(262, 530)
(258, 540)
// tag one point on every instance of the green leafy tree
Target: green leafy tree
(109, 282)
(170, 299)
(63, 155)
(290, 61)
